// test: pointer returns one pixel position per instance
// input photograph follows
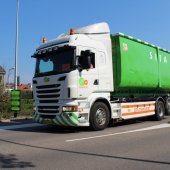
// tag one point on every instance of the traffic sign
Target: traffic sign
(15, 100)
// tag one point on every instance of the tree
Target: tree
(4, 103)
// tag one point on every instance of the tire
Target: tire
(99, 116)
(167, 106)
(159, 110)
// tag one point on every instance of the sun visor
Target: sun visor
(100, 28)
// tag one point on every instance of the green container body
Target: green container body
(138, 65)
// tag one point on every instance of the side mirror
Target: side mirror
(78, 65)
(84, 61)
(88, 62)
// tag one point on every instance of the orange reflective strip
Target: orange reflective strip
(138, 105)
(135, 113)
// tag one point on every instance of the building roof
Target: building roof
(24, 87)
(2, 70)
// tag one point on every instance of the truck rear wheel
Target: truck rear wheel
(159, 110)
(99, 116)
(167, 106)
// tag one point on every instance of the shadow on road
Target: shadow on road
(14, 163)
(54, 129)
(65, 130)
(10, 161)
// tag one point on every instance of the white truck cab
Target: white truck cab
(72, 73)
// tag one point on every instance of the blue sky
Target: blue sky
(148, 20)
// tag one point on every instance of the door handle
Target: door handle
(96, 82)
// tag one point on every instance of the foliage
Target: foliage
(26, 94)
(26, 107)
(26, 103)
(5, 105)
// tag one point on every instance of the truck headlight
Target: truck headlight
(70, 108)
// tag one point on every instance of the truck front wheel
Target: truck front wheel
(99, 116)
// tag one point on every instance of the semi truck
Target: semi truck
(90, 77)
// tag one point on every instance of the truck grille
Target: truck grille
(47, 96)
(48, 101)
(48, 86)
(49, 109)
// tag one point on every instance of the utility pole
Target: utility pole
(16, 46)
(8, 80)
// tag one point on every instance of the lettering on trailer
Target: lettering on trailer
(136, 109)
(153, 56)
(125, 47)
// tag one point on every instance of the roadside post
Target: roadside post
(15, 101)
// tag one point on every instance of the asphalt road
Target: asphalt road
(134, 145)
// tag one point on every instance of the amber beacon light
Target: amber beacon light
(44, 39)
(72, 31)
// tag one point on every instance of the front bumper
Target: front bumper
(64, 119)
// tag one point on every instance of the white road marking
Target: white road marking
(165, 125)
(11, 127)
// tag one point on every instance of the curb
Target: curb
(15, 119)
(5, 120)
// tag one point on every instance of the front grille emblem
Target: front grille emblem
(46, 79)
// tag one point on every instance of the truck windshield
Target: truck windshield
(55, 63)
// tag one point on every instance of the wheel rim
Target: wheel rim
(160, 110)
(168, 105)
(101, 116)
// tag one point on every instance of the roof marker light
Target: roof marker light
(44, 39)
(72, 31)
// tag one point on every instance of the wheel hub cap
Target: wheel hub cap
(101, 116)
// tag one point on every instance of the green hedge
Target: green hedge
(26, 104)
(26, 107)
(4, 104)
(5, 110)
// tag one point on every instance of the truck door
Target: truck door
(88, 82)
(105, 73)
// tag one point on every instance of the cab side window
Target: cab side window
(83, 60)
